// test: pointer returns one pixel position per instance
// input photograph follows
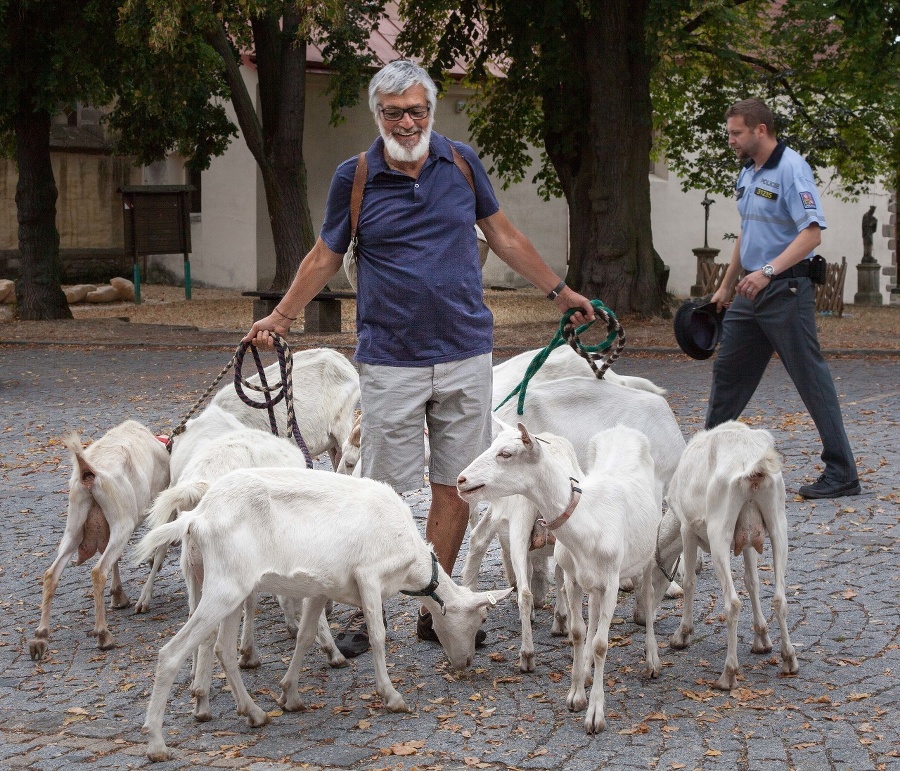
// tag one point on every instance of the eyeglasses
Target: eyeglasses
(416, 112)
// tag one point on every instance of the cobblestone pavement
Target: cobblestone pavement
(83, 707)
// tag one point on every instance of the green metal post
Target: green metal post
(187, 279)
(137, 284)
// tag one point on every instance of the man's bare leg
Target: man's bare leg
(448, 518)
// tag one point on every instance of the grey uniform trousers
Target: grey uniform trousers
(781, 319)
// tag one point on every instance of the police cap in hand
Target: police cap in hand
(698, 328)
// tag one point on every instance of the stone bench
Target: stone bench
(321, 316)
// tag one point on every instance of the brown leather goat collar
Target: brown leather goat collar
(573, 502)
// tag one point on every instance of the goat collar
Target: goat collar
(429, 591)
(573, 502)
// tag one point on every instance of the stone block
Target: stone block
(77, 293)
(102, 294)
(322, 317)
(7, 291)
(123, 287)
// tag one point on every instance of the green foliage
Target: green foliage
(340, 29)
(169, 97)
(829, 68)
(343, 36)
(53, 53)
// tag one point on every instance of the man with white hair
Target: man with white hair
(424, 334)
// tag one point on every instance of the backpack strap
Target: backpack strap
(356, 194)
(463, 165)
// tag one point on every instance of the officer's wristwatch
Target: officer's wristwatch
(768, 271)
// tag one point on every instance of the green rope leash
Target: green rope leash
(568, 333)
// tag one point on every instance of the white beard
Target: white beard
(399, 153)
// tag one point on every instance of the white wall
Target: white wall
(228, 250)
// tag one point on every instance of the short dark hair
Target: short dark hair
(754, 112)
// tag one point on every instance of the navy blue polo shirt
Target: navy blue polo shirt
(419, 295)
(776, 202)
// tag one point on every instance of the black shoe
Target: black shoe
(353, 639)
(824, 487)
(425, 631)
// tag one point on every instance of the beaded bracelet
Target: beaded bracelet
(289, 318)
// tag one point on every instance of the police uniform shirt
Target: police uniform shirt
(775, 202)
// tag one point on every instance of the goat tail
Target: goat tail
(767, 465)
(72, 441)
(169, 502)
(164, 535)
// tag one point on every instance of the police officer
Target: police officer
(773, 309)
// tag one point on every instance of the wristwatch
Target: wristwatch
(768, 271)
(554, 293)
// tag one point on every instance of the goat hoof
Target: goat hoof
(249, 660)
(526, 662)
(290, 703)
(394, 703)
(119, 600)
(37, 648)
(158, 756)
(762, 644)
(256, 717)
(680, 640)
(652, 672)
(141, 606)
(674, 591)
(202, 715)
(576, 702)
(789, 665)
(727, 682)
(595, 722)
(105, 640)
(337, 660)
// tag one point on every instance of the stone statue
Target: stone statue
(869, 226)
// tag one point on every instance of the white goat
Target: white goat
(512, 519)
(113, 482)
(241, 449)
(326, 391)
(311, 534)
(728, 493)
(576, 408)
(562, 362)
(605, 531)
(209, 426)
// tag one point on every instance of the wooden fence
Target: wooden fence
(829, 296)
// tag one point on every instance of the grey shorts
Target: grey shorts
(453, 400)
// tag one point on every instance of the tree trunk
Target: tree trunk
(284, 174)
(274, 136)
(606, 179)
(38, 292)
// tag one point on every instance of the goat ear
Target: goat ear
(502, 424)
(489, 599)
(526, 437)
